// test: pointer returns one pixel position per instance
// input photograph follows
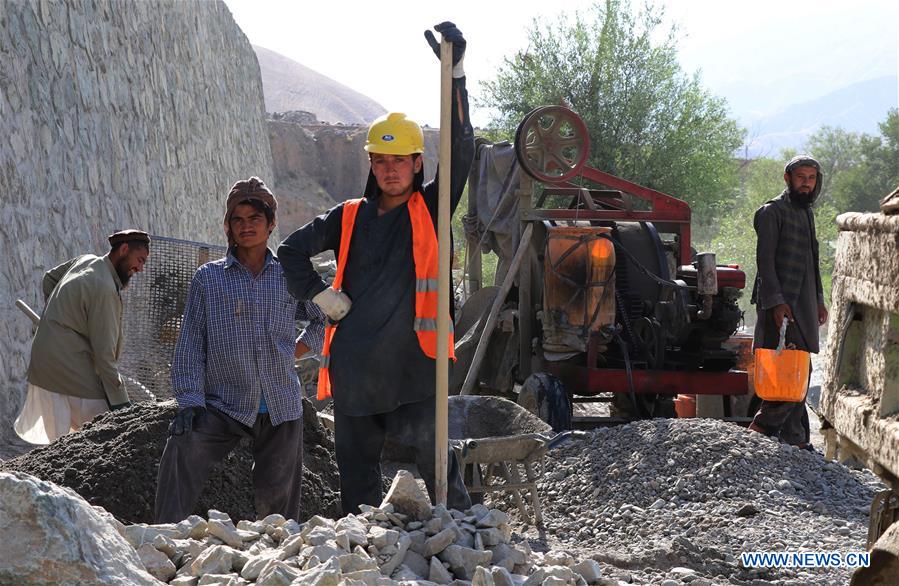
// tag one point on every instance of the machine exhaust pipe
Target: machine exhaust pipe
(706, 282)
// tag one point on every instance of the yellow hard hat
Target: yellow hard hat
(394, 134)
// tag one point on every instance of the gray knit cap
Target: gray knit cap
(807, 161)
(802, 161)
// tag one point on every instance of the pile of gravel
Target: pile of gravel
(113, 463)
(680, 499)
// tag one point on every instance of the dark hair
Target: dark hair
(131, 244)
(259, 207)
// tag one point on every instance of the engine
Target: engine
(670, 320)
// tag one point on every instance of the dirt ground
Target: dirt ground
(113, 463)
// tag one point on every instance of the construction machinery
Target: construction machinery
(859, 403)
(599, 294)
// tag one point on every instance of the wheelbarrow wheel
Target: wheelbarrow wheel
(544, 395)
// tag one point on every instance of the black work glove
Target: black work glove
(124, 405)
(183, 421)
(452, 34)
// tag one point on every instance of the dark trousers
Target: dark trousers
(359, 441)
(786, 421)
(187, 460)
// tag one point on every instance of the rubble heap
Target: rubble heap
(114, 460)
(405, 541)
(690, 495)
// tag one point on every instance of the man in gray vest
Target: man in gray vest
(788, 286)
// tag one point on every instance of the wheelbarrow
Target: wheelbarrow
(509, 464)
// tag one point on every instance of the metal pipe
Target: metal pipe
(707, 274)
(706, 282)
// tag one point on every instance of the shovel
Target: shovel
(35, 318)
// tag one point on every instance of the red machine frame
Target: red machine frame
(669, 215)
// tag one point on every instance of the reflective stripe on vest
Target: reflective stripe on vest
(424, 256)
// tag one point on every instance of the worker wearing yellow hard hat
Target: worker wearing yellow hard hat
(378, 359)
(394, 134)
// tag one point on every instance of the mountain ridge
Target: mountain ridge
(857, 107)
(289, 85)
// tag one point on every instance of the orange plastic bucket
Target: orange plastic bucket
(685, 406)
(781, 376)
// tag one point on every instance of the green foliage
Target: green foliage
(648, 121)
(889, 154)
(859, 169)
(460, 249)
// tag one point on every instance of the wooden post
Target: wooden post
(441, 441)
(526, 310)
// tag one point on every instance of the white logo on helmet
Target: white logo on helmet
(387, 137)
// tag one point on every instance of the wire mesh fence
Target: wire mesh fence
(153, 307)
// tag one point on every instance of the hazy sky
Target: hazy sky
(760, 55)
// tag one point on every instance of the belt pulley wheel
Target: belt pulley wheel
(552, 144)
(649, 342)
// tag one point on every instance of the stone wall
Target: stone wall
(112, 115)
(860, 389)
(318, 165)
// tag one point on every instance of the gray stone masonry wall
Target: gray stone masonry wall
(114, 114)
(861, 400)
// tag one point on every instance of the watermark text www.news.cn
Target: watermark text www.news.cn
(805, 559)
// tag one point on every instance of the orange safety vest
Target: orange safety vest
(424, 255)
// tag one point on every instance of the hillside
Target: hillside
(288, 85)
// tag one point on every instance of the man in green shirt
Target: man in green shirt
(73, 372)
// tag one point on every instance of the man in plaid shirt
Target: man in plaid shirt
(233, 373)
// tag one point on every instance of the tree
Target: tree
(648, 121)
(889, 154)
(859, 169)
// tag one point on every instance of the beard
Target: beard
(803, 200)
(123, 273)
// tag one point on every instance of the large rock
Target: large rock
(53, 536)
(318, 165)
(407, 497)
(463, 560)
(156, 562)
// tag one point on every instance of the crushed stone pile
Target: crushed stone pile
(114, 460)
(678, 500)
(382, 545)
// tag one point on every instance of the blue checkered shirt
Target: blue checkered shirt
(237, 342)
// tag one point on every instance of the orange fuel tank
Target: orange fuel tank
(579, 286)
